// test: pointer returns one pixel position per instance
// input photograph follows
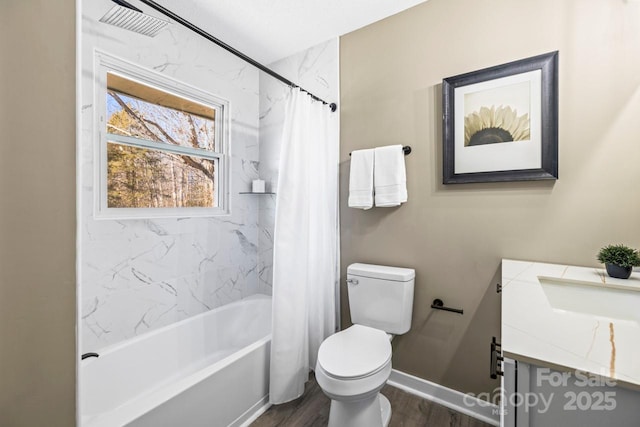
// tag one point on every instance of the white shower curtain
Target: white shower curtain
(306, 245)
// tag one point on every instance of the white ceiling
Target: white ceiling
(268, 30)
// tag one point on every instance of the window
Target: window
(163, 145)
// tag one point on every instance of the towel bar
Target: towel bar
(406, 149)
(496, 359)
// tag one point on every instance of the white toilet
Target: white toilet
(354, 364)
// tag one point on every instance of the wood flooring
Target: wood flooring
(407, 410)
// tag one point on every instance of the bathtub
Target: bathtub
(208, 370)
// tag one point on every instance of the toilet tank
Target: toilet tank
(381, 297)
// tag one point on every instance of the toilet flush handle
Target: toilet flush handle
(352, 281)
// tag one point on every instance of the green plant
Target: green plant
(619, 255)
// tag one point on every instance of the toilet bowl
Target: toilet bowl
(354, 364)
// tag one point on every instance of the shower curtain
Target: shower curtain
(306, 244)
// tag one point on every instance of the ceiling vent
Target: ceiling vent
(128, 17)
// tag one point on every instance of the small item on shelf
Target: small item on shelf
(257, 186)
(619, 260)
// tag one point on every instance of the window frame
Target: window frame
(106, 63)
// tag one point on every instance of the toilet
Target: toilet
(354, 364)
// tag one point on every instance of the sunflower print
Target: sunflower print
(494, 125)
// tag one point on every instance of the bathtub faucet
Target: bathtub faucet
(84, 356)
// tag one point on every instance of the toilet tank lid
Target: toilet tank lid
(382, 272)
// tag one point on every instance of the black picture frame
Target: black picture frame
(548, 121)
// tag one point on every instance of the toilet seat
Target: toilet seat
(354, 353)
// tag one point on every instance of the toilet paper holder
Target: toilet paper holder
(438, 304)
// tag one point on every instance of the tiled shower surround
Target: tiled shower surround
(141, 274)
(138, 275)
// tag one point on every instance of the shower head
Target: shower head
(125, 15)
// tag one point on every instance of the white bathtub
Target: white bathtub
(210, 370)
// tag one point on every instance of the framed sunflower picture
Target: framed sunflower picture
(501, 123)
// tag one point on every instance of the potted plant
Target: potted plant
(619, 260)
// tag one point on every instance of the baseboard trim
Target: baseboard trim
(460, 402)
(252, 413)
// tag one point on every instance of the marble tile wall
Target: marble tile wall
(315, 69)
(138, 275)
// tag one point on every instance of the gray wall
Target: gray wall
(455, 236)
(37, 216)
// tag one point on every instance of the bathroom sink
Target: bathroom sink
(613, 303)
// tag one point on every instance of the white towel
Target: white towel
(361, 179)
(390, 176)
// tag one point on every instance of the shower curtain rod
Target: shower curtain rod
(166, 12)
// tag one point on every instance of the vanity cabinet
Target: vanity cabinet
(570, 347)
(538, 396)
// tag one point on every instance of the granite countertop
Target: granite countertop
(572, 318)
